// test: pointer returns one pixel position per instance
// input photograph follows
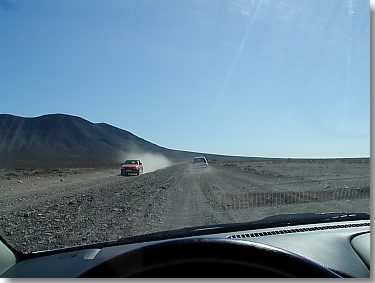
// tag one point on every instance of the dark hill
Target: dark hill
(65, 140)
(59, 139)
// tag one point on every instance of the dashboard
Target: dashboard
(339, 249)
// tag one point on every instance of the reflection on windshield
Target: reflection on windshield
(274, 94)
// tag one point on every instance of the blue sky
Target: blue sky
(253, 78)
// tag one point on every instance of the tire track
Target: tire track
(193, 202)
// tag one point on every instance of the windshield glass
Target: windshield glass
(130, 162)
(274, 93)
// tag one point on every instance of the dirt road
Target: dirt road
(48, 209)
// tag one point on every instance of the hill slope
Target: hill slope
(65, 140)
(59, 139)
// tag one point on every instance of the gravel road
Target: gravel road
(43, 209)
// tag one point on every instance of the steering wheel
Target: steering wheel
(203, 258)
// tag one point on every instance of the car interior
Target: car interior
(339, 248)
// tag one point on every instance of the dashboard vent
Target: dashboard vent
(289, 231)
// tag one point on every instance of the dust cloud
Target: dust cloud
(151, 161)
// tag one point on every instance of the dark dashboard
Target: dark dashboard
(338, 249)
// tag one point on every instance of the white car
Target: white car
(199, 162)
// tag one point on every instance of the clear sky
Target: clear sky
(245, 77)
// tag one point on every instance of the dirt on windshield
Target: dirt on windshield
(43, 209)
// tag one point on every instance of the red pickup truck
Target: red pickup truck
(131, 166)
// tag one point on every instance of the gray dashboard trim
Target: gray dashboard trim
(331, 248)
(361, 244)
(7, 258)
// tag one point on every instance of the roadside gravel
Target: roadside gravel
(43, 209)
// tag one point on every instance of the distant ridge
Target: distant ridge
(56, 140)
(59, 139)
(66, 140)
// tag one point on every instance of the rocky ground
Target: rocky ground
(42, 209)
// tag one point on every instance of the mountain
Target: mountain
(64, 140)
(59, 139)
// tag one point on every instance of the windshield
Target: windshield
(274, 93)
(199, 160)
